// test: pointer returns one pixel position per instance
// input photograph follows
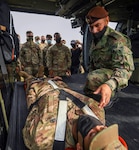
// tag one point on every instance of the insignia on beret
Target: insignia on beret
(96, 13)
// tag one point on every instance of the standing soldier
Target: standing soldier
(42, 43)
(30, 55)
(49, 43)
(58, 58)
(76, 51)
(37, 40)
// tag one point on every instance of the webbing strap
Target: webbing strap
(2, 63)
(88, 111)
(53, 84)
(59, 140)
(61, 121)
(80, 104)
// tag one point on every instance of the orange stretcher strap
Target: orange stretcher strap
(123, 142)
(120, 139)
(70, 148)
(13, 54)
(3, 28)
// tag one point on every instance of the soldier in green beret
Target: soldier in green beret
(111, 61)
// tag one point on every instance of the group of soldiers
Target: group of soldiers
(55, 58)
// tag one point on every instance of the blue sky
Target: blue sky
(45, 24)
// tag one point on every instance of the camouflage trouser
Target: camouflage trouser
(59, 72)
(32, 70)
(96, 78)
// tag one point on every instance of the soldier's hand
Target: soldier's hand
(22, 67)
(51, 73)
(17, 69)
(105, 91)
(57, 78)
(40, 73)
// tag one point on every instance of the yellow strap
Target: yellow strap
(3, 28)
(4, 111)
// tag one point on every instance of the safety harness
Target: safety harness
(64, 96)
(59, 140)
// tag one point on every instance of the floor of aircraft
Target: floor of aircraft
(124, 112)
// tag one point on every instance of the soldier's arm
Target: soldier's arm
(40, 56)
(68, 58)
(44, 56)
(21, 56)
(123, 66)
(49, 58)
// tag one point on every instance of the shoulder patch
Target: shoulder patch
(115, 35)
(120, 37)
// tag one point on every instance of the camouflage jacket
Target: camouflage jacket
(39, 129)
(113, 52)
(30, 54)
(58, 58)
(42, 45)
(44, 54)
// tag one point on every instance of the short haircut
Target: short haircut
(48, 36)
(56, 33)
(28, 32)
(37, 38)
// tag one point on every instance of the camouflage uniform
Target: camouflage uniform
(30, 57)
(44, 55)
(39, 129)
(42, 45)
(11, 69)
(59, 59)
(111, 62)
